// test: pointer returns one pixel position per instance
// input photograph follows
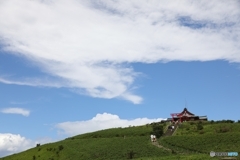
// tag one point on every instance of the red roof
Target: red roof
(185, 112)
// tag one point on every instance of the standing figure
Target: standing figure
(151, 137)
(154, 138)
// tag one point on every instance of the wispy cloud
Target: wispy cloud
(17, 103)
(35, 82)
(100, 121)
(21, 111)
(85, 45)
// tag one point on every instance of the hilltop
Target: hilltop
(190, 140)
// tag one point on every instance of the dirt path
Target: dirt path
(169, 132)
(160, 146)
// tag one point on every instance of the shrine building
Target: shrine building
(185, 115)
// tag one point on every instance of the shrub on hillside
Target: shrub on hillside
(157, 130)
(142, 134)
(173, 151)
(199, 126)
(162, 122)
(192, 123)
(96, 136)
(223, 129)
(130, 154)
(60, 147)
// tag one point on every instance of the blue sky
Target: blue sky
(83, 66)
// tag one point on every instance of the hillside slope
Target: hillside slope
(191, 141)
(204, 137)
(117, 143)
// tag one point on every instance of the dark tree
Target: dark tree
(130, 154)
(199, 126)
(60, 147)
(157, 130)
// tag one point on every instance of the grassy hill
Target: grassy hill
(195, 137)
(190, 141)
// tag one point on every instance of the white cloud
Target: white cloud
(85, 44)
(21, 111)
(14, 143)
(100, 121)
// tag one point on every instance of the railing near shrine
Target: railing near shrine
(166, 127)
(175, 129)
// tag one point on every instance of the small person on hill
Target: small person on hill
(154, 138)
(151, 137)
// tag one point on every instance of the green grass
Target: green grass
(119, 132)
(182, 157)
(190, 128)
(225, 142)
(218, 137)
(110, 144)
(120, 143)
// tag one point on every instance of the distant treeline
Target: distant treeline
(224, 121)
